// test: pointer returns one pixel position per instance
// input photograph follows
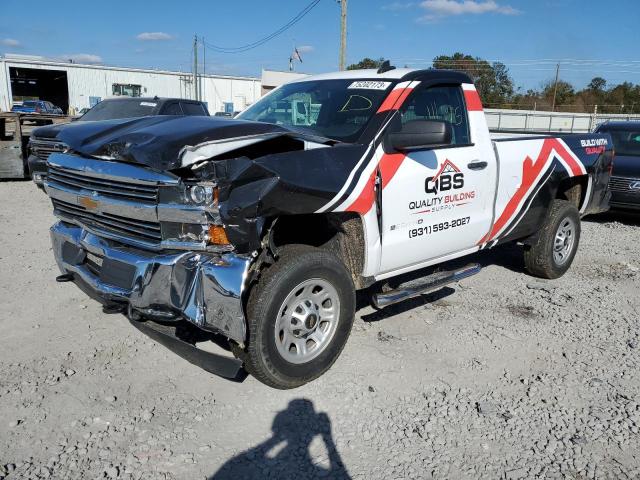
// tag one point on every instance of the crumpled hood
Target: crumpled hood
(156, 142)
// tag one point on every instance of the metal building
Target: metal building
(73, 86)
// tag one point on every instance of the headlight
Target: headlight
(188, 214)
(205, 195)
(201, 194)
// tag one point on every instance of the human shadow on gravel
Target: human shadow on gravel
(286, 454)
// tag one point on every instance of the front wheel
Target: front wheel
(556, 243)
(299, 315)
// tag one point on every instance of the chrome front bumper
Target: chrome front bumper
(203, 288)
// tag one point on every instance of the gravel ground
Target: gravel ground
(500, 376)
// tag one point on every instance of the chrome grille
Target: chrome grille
(118, 189)
(623, 185)
(143, 231)
(42, 148)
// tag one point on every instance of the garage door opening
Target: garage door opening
(37, 84)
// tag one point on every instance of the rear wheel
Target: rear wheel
(300, 316)
(556, 243)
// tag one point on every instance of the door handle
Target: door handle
(477, 165)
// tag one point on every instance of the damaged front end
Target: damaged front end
(205, 289)
(166, 218)
(145, 239)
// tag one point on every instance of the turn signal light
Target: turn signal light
(217, 235)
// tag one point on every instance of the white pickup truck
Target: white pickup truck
(257, 232)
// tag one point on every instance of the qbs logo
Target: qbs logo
(449, 177)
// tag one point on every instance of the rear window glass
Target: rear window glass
(29, 104)
(112, 109)
(172, 109)
(626, 142)
(193, 109)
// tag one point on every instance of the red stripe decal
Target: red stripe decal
(365, 200)
(530, 171)
(474, 104)
(395, 99)
(576, 168)
(389, 165)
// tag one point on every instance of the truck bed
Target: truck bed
(15, 130)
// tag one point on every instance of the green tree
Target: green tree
(597, 84)
(624, 97)
(565, 93)
(492, 80)
(366, 63)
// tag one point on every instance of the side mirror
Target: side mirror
(418, 134)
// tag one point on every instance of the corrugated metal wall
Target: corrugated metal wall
(86, 81)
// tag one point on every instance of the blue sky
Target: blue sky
(588, 37)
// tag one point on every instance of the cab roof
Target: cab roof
(398, 74)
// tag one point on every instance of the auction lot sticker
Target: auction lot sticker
(370, 85)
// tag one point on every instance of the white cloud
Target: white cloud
(81, 58)
(305, 48)
(443, 8)
(154, 36)
(10, 42)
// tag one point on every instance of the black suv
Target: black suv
(43, 140)
(625, 177)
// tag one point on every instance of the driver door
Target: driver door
(439, 200)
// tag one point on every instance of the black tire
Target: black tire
(295, 265)
(539, 257)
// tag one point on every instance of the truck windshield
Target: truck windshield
(336, 109)
(120, 108)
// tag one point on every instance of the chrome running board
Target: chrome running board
(424, 285)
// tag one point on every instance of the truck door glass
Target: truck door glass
(195, 109)
(172, 109)
(446, 104)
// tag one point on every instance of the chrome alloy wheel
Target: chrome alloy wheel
(307, 321)
(564, 240)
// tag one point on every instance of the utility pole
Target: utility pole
(343, 34)
(203, 81)
(195, 67)
(555, 88)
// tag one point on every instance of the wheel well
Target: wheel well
(341, 233)
(573, 189)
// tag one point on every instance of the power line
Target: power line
(264, 40)
(529, 61)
